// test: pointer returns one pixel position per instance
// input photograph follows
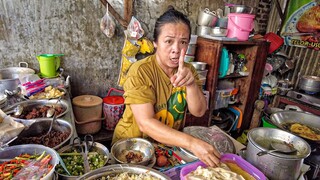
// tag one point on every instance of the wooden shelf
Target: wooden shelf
(209, 51)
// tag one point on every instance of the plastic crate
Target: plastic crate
(222, 98)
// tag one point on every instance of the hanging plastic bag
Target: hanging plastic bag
(107, 24)
(135, 30)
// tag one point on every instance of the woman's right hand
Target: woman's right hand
(205, 152)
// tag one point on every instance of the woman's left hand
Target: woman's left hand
(184, 76)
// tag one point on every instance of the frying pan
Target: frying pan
(281, 118)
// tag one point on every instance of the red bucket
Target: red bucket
(113, 107)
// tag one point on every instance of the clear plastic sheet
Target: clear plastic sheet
(212, 136)
(8, 128)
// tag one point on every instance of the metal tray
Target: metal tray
(42, 125)
(282, 118)
(29, 104)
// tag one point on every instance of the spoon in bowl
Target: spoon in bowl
(17, 111)
(279, 147)
(52, 109)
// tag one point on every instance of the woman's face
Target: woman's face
(172, 39)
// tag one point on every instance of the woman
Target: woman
(159, 88)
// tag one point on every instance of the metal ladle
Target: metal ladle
(17, 110)
(53, 119)
(279, 147)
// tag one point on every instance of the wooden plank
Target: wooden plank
(128, 9)
(114, 13)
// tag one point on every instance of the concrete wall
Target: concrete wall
(32, 27)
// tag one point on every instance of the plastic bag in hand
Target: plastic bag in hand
(107, 25)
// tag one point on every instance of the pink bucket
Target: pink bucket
(113, 107)
(240, 25)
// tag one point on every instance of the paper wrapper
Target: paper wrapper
(8, 128)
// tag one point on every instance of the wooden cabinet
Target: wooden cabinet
(209, 51)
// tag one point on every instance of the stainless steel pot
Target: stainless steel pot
(310, 83)
(9, 77)
(276, 165)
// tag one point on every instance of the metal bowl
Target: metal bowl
(283, 118)
(219, 32)
(133, 144)
(96, 147)
(199, 65)
(13, 151)
(30, 104)
(114, 170)
(242, 9)
(41, 126)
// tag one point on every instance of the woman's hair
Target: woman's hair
(170, 16)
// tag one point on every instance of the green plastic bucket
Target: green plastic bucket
(265, 123)
(49, 64)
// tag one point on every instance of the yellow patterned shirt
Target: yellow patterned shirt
(147, 83)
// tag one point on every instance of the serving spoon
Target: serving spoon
(52, 109)
(17, 110)
(279, 147)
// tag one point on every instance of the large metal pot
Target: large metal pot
(276, 165)
(310, 84)
(9, 77)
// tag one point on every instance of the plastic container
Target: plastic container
(222, 98)
(265, 123)
(113, 107)
(243, 164)
(240, 25)
(49, 65)
(202, 73)
(87, 110)
(275, 41)
(191, 51)
(188, 58)
(224, 63)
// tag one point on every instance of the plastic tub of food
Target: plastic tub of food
(234, 162)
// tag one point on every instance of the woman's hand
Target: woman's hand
(206, 153)
(184, 76)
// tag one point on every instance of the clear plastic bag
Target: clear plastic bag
(107, 25)
(135, 30)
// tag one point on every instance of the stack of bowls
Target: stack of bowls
(207, 21)
(191, 51)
